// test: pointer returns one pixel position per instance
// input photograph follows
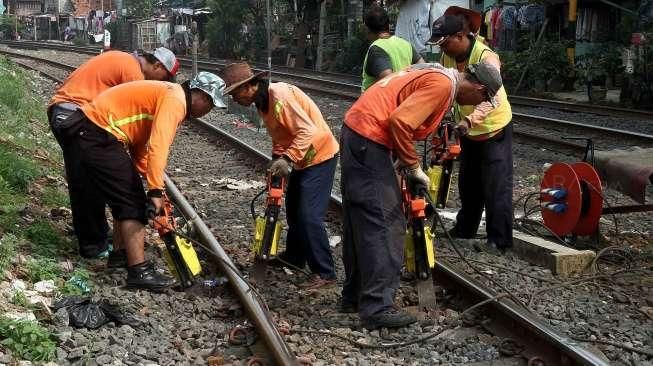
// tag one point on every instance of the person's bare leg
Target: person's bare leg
(132, 233)
(117, 237)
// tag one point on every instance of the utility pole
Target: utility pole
(196, 40)
(571, 33)
(320, 36)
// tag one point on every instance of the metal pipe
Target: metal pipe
(277, 347)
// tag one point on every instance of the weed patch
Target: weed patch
(43, 269)
(54, 197)
(17, 172)
(19, 299)
(45, 240)
(8, 245)
(27, 340)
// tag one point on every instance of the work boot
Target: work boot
(145, 276)
(117, 259)
(392, 318)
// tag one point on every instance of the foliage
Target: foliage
(8, 245)
(544, 63)
(81, 39)
(140, 8)
(45, 239)
(224, 30)
(512, 65)
(350, 60)
(19, 299)
(43, 269)
(8, 26)
(55, 197)
(16, 171)
(598, 63)
(550, 62)
(27, 340)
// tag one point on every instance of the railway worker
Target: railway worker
(486, 156)
(387, 53)
(83, 85)
(302, 141)
(125, 131)
(404, 107)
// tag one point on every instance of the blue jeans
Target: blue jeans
(307, 201)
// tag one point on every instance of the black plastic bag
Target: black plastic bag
(85, 313)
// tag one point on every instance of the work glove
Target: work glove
(280, 167)
(462, 128)
(416, 179)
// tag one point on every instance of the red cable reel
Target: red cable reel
(571, 199)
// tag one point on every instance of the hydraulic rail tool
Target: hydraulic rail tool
(267, 230)
(419, 203)
(178, 252)
(445, 150)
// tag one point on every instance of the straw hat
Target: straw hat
(237, 74)
(473, 17)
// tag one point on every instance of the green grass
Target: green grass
(55, 197)
(27, 340)
(17, 172)
(19, 299)
(42, 269)
(8, 245)
(45, 240)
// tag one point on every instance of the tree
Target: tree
(225, 30)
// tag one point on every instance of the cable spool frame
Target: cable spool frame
(583, 199)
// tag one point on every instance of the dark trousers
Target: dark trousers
(307, 201)
(374, 224)
(485, 181)
(89, 219)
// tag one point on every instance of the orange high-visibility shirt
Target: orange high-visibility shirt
(401, 108)
(297, 127)
(97, 75)
(144, 115)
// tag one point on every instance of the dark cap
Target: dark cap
(445, 26)
(486, 74)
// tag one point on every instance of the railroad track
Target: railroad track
(218, 154)
(546, 132)
(350, 84)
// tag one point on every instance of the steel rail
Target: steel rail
(544, 343)
(606, 130)
(352, 87)
(266, 328)
(259, 316)
(581, 107)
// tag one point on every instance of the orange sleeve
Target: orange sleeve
(139, 157)
(292, 116)
(131, 74)
(432, 94)
(169, 113)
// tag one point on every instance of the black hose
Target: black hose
(460, 254)
(251, 204)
